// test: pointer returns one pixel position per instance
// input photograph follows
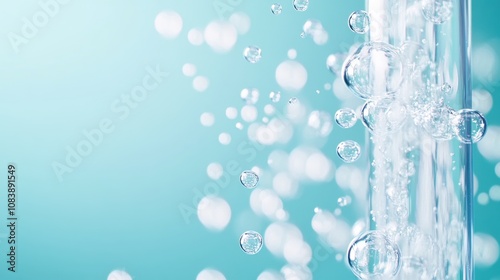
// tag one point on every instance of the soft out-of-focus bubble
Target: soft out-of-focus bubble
(284, 185)
(195, 37)
(482, 101)
(250, 95)
(225, 138)
(251, 242)
(239, 125)
(214, 170)
(231, 113)
(249, 113)
(297, 252)
(345, 117)
(358, 227)
(349, 151)
(296, 272)
(207, 119)
(276, 8)
(252, 54)
(383, 116)
(359, 22)
(249, 179)
(241, 22)
(270, 109)
(320, 122)
(494, 193)
(214, 213)
(373, 256)
(278, 160)
(483, 198)
(168, 24)
(297, 161)
(437, 11)
(119, 275)
(315, 29)
(469, 126)
(301, 5)
(344, 201)
(414, 56)
(189, 69)
(210, 274)
(278, 234)
(265, 135)
(291, 75)
(292, 54)
(334, 63)
(323, 222)
(488, 146)
(200, 83)
(270, 275)
(275, 96)
(335, 232)
(293, 100)
(341, 91)
(366, 80)
(318, 167)
(327, 86)
(485, 56)
(220, 36)
(486, 250)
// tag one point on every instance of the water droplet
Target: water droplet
(250, 95)
(301, 5)
(251, 242)
(359, 22)
(437, 11)
(373, 256)
(276, 8)
(249, 179)
(252, 54)
(469, 126)
(349, 151)
(345, 117)
(275, 96)
(374, 63)
(293, 100)
(344, 201)
(383, 116)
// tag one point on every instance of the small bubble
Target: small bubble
(250, 95)
(469, 126)
(359, 22)
(373, 256)
(249, 179)
(446, 88)
(239, 125)
(317, 91)
(275, 96)
(301, 5)
(252, 54)
(344, 201)
(251, 242)
(302, 35)
(349, 151)
(317, 210)
(276, 8)
(293, 100)
(345, 117)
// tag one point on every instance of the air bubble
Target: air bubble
(383, 116)
(359, 22)
(275, 96)
(349, 151)
(301, 5)
(276, 8)
(249, 179)
(345, 117)
(469, 126)
(251, 242)
(252, 54)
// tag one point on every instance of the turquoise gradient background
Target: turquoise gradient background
(120, 207)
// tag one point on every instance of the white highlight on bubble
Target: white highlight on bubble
(214, 170)
(220, 36)
(231, 113)
(207, 119)
(210, 274)
(195, 37)
(119, 275)
(225, 138)
(214, 213)
(200, 83)
(486, 250)
(189, 70)
(249, 113)
(291, 75)
(241, 22)
(168, 24)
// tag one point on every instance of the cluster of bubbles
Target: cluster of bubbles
(359, 22)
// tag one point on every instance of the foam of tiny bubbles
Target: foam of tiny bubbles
(270, 275)
(483, 198)
(207, 119)
(119, 275)
(231, 113)
(249, 113)
(210, 274)
(291, 75)
(220, 36)
(494, 193)
(214, 213)
(214, 170)
(168, 24)
(241, 21)
(292, 54)
(486, 250)
(200, 83)
(189, 70)
(225, 138)
(284, 185)
(488, 146)
(278, 234)
(195, 37)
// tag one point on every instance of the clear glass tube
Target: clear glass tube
(414, 73)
